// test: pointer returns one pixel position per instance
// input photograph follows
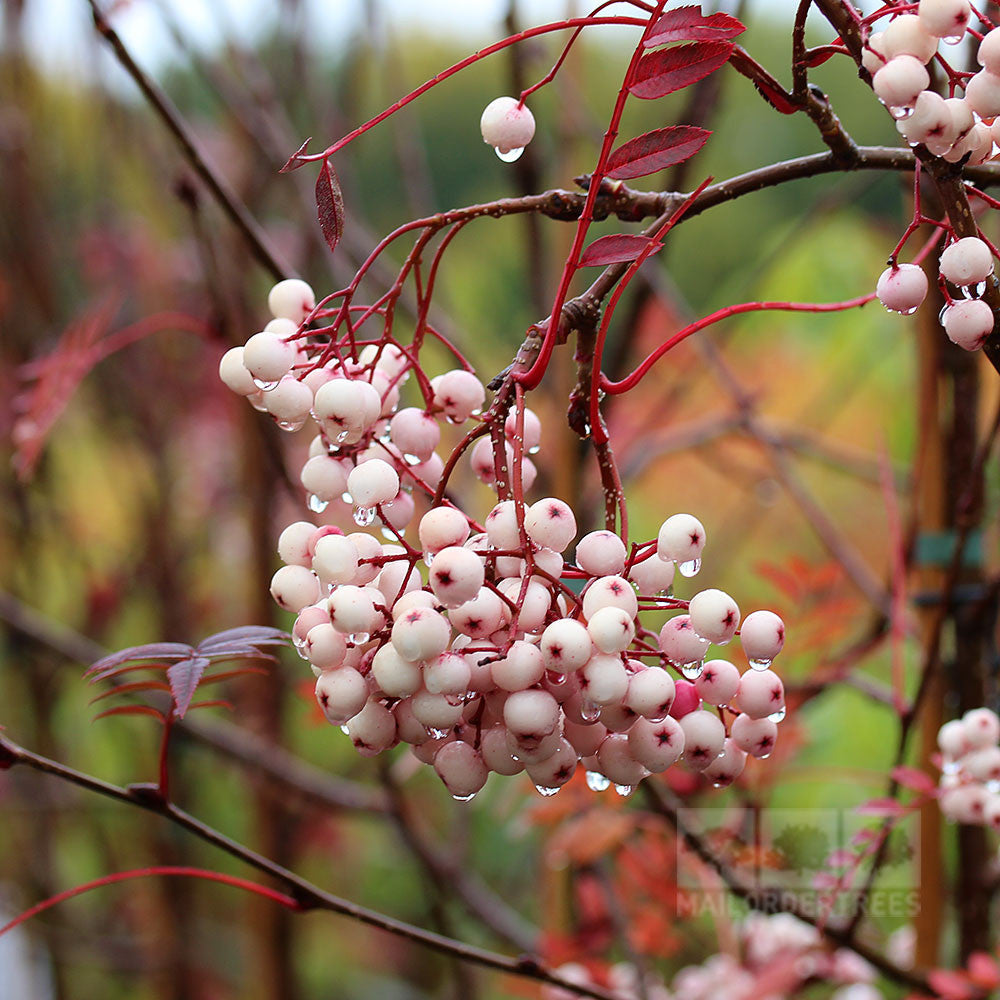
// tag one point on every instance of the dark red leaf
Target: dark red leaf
(132, 688)
(294, 161)
(131, 710)
(330, 205)
(661, 73)
(688, 24)
(950, 985)
(230, 674)
(218, 703)
(184, 678)
(655, 150)
(257, 635)
(151, 651)
(910, 777)
(614, 249)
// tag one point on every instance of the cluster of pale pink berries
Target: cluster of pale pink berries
(969, 789)
(765, 941)
(955, 128)
(488, 660)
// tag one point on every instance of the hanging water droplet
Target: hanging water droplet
(510, 156)
(544, 789)
(342, 436)
(980, 289)
(761, 664)
(364, 516)
(411, 459)
(953, 39)
(345, 730)
(589, 712)
(778, 716)
(316, 505)
(689, 568)
(389, 536)
(901, 112)
(264, 386)
(437, 734)
(358, 638)
(721, 784)
(347, 498)
(464, 798)
(993, 787)
(553, 677)
(292, 425)
(692, 671)
(764, 756)
(624, 790)
(907, 312)
(596, 781)
(535, 450)
(428, 558)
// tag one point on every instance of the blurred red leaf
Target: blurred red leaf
(184, 678)
(662, 73)
(983, 970)
(132, 688)
(132, 710)
(330, 205)
(881, 807)
(615, 249)
(951, 985)
(655, 150)
(910, 777)
(689, 24)
(295, 160)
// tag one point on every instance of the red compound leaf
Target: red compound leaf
(655, 150)
(184, 678)
(106, 666)
(662, 73)
(688, 24)
(132, 710)
(248, 636)
(615, 249)
(916, 780)
(330, 205)
(296, 159)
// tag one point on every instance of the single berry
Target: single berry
(507, 125)
(902, 288)
(968, 323)
(900, 81)
(291, 299)
(966, 261)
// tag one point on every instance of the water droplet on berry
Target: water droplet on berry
(901, 112)
(543, 789)
(342, 437)
(555, 678)
(428, 558)
(908, 312)
(692, 671)
(464, 798)
(411, 459)
(534, 451)
(589, 712)
(347, 498)
(510, 156)
(390, 536)
(596, 781)
(316, 505)
(953, 39)
(358, 638)
(292, 425)
(689, 568)
(345, 730)
(364, 516)
(437, 734)
(778, 716)
(761, 664)
(265, 386)
(624, 790)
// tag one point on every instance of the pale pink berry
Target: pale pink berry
(339, 405)
(352, 609)
(953, 740)
(441, 527)
(268, 357)
(369, 550)
(408, 727)
(289, 402)
(533, 607)
(982, 94)
(618, 763)
(728, 766)
(324, 477)
(234, 374)
(652, 576)
(447, 673)
(556, 769)
(981, 727)
(506, 124)
(306, 620)
(714, 615)
(293, 543)
(945, 18)
(681, 539)
(420, 634)
(397, 677)
(415, 432)
(550, 524)
(931, 122)
(398, 577)
(294, 588)
(461, 768)
(544, 561)
(601, 553)
(604, 679)
(899, 82)
(704, 735)
(991, 812)
(617, 718)
(585, 738)
(531, 429)
(533, 751)
(522, 667)
(907, 36)
(496, 753)
(341, 694)
(968, 323)
(686, 699)
(374, 482)
(531, 715)
(436, 711)
(372, 730)
(610, 592)
(965, 804)
(650, 693)
(902, 288)
(427, 750)
(482, 461)
(481, 616)
(984, 764)
(761, 694)
(335, 559)
(456, 575)
(611, 629)
(718, 682)
(679, 642)
(566, 646)
(459, 393)
(762, 636)
(756, 737)
(399, 512)
(966, 261)
(325, 647)
(291, 299)
(656, 745)
(501, 525)
(873, 57)
(989, 52)
(978, 144)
